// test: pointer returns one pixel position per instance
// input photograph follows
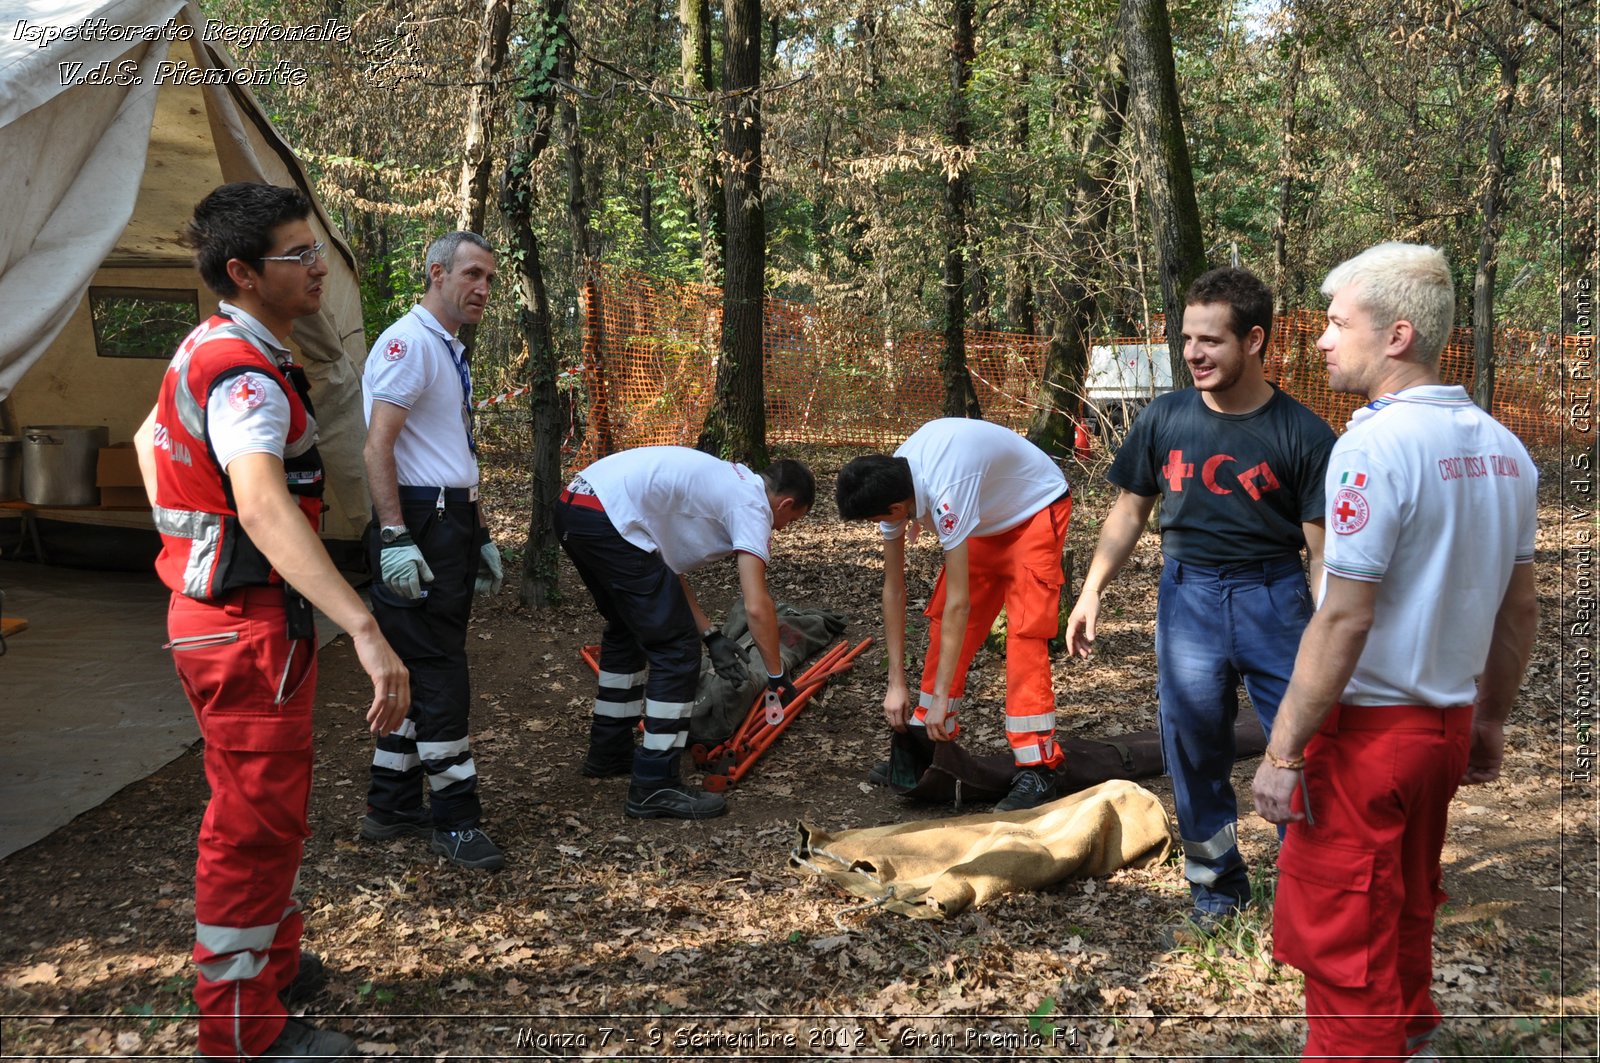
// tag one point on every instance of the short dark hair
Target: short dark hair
(791, 478)
(236, 221)
(870, 484)
(1249, 300)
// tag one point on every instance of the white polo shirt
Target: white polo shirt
(685, 504)
(974, 478)
(1435, 501)
(414, 365)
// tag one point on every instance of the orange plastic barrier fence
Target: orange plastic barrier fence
(837, 379)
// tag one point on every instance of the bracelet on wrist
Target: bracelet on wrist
(1297, 764)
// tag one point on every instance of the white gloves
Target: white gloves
(404, 570)
(491, 572)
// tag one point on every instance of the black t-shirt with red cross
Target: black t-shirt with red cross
(1234, 487)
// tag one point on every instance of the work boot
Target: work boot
(606, 764)
(468, 847)
(672, 800)
(1030, 788)
(300, 1041)
(307, 982)
(380, 826)
(880, 773)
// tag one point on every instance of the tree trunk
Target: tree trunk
(1494, 196)
(1158, 123)
(1019, 309)
(1067, 357)
(696, 68)
(736, 425)
(586, 262)
(1287, 167)
(477, 158)
(536, 112)
(960, 398)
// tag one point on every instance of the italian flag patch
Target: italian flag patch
(1358, 480)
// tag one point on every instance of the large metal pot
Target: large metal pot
(10, 468)
(58, 463)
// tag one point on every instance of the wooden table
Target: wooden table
(29, 533)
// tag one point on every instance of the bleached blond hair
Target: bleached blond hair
(1396, 281)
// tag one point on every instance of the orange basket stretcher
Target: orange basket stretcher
(729, 761)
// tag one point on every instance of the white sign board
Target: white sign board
(1128, 371)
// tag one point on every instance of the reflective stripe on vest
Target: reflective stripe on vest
(204, 532)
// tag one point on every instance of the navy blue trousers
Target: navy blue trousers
(1216, 627)
(430, 635)
(649, 649)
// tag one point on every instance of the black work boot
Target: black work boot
(300, 1041)
(672, 800)
(910, 753)
(309, 979)
(379, 825)
(1030, 788)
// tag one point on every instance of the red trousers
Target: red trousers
(252, 691)
(1021, 570)
(1357, 892)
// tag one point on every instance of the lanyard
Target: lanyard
(465, 373)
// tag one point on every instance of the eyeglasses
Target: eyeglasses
(306, 258)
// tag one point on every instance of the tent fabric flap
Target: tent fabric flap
(102, 176)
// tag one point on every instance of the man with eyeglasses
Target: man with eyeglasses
(431, 552)
(229, 460)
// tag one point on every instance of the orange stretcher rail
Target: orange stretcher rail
(730, 761)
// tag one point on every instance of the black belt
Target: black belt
(431, 494)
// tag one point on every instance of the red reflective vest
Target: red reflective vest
(204, 550)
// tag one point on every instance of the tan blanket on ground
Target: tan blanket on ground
(931, 869)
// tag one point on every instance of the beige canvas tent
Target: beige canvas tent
(98, 181)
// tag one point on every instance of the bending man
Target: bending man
(1000, 508)
(634, 524)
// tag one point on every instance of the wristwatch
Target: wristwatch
(390, 533)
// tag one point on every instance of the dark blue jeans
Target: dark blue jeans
(1214, 628)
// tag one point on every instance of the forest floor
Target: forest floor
(606, 936)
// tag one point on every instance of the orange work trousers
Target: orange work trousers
(1019, 569)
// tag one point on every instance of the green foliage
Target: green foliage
(178, 985)
(1039, 1019)
(1390, 113)
(372, 993)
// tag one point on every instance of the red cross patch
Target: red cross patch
(1350, 511)
(948, 523)
(246, 393)
(395, 351)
